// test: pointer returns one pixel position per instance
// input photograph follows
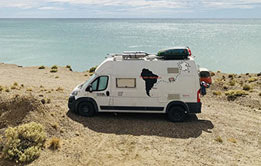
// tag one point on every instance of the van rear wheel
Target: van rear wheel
(86, 109)
(176, 114)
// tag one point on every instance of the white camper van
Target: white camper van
(140, 83)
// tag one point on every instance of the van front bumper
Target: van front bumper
(194, 107)
(71, 103)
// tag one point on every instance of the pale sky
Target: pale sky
(130, 9)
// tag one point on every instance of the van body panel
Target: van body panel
(150, 85)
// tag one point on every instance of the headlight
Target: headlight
(75, 93)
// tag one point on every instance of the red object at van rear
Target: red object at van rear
(198, 96)
(205, 76)
(189, 50)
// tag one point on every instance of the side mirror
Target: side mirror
(89, 89)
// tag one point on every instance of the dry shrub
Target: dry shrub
(233, 140)
(92, 69)
(57, 77)
(7, 90)
(59, 89)
(13, 87)
(217, 93)
(252, 79)
(246, 87)
(219, 139)
(41, 67)
(259, 94)
(230, 76)
(232, 82)
(233, 94)
(29, 89)
(53, 70)
(54, 143)
(54, 67)
(1, 88)
(23, 143)
(15, 84)
(69, 67)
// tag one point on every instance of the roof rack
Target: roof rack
(134, 54)
(131, 55)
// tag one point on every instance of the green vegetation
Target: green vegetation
(41, 67)
(217, 93)
(23, 143)
(92, 69)
(54, 67)
(246, 87)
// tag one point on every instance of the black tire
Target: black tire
(176, 113)
(86, 109)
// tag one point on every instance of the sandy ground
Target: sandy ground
(135, 139)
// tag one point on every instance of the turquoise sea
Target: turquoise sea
(229, 45)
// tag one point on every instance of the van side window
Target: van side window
(103, 83)
(100, 83)
(126, 82)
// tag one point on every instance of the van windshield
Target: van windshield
(88, 81)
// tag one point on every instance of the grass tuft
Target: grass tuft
(59, 89)
(54, 143)
(217, 93)
(246, 87)
(219, 139)
(233, 140)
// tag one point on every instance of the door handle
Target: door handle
(107, 93)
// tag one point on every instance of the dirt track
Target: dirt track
(136, 139)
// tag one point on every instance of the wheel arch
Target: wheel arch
(177, 103)
(86, 99)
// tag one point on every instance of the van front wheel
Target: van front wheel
(176, 114)
(86, 109)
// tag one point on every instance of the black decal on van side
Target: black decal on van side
(149, 78)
